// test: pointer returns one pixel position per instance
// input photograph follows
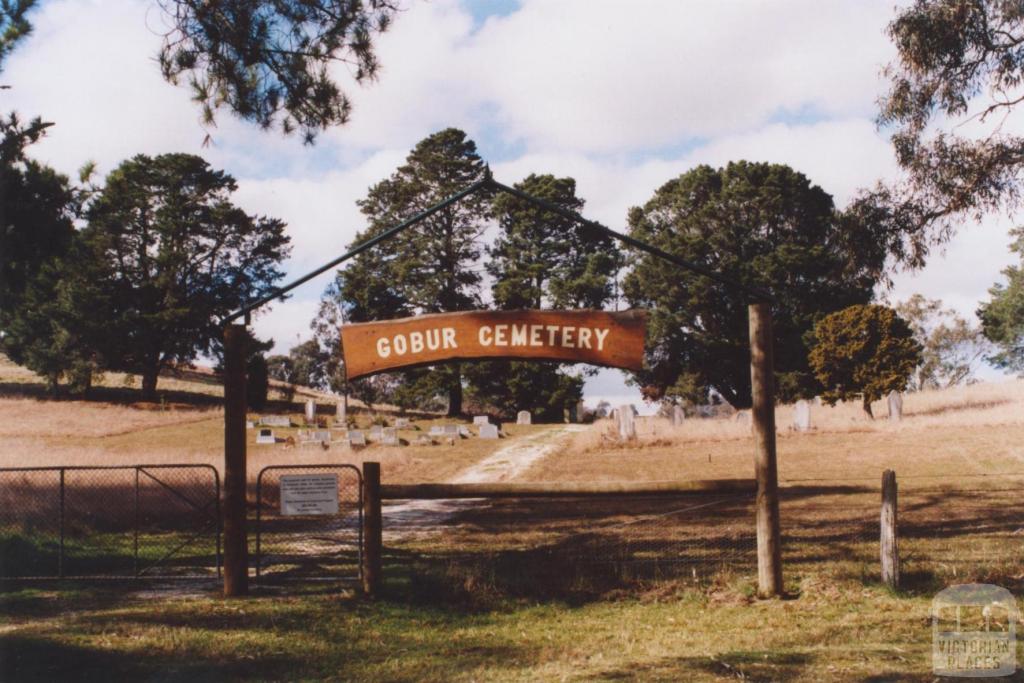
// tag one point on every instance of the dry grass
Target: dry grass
(966, 430)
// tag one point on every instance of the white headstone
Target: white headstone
(802, 416)
(481, 420)
(524, 418)
(678, 415)
(895, 406)
(265, 436)
(376, 432)
(573, 414)
(451, 430)
(276, 421)
(249, 424)
(402, 422)
(817, 401)
(424, 440)
(390, 437)
(310, 411)
(339, 413)
(437, 430)
(488, 431)
(356, 437)
(626, 423)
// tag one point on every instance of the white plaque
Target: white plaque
(309, 494)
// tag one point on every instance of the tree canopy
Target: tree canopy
(169, 255)
(763, 225)
(950, 346)
(431, 268)
(1002, 316)
(864, 352)
(956, 78)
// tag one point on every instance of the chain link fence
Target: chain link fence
(145, 521)
(308, 523)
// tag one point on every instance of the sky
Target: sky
(621, 96)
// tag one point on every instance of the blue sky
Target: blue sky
(620, 96)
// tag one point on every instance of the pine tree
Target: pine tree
(430, 268)
(541, 260)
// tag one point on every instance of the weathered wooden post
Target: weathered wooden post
(889, 540)
(236, 549)
(373, 527)
(769, 547)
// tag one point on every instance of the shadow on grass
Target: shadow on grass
(45, 659)
(746, 666)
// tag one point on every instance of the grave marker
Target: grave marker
(276, 421)
(391, 436)
(481, 420)
(626, 422)
(436, 430)
(310, 411)
(376, 432)
(802, 416)
(488, 431)
(678, 415)
(895, 406)
(265, 436)
(356, 437)
(524, 417)
(340, 415)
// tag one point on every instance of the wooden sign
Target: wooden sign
(596, 337)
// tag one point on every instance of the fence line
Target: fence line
(71, 522)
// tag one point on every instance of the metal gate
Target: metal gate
(114, 522)
(309, 523)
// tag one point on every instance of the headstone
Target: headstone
(574, 415)
(895, 406)
(249, 424)
(626, 423)
(817, 401)
(424, 440)
(743, 416)
(340, 416)
(481, 420)
(451, 430)
(437, 430)
(376, 432)
(265, 436)
(402, 423)
(356, 437)
(464, 432)
(488, 431)
(390, 437)
(276, 421)
(524, 418)
(310, 411)
(678, 416)
(802, 416)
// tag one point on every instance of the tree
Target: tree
(950, 346)
(863, 351)
(766, 226)
(14, 24)
(1002, 317)
(541, 260)
(430, 268)
(954, 83)
(37, 236)
(171, 256)
(268, 60)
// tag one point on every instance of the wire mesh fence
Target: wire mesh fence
(951, 529)
(308, 523)
(144, 521)
(543, 547)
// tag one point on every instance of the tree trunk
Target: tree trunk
(149, 378)
(867, 408)
(455, 392)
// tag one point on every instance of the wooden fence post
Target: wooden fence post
(889, 541)
(236, 549)
(373, 526)
(762, 384)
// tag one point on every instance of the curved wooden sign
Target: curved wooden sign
(596, 337)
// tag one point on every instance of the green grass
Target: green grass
(829, 632)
